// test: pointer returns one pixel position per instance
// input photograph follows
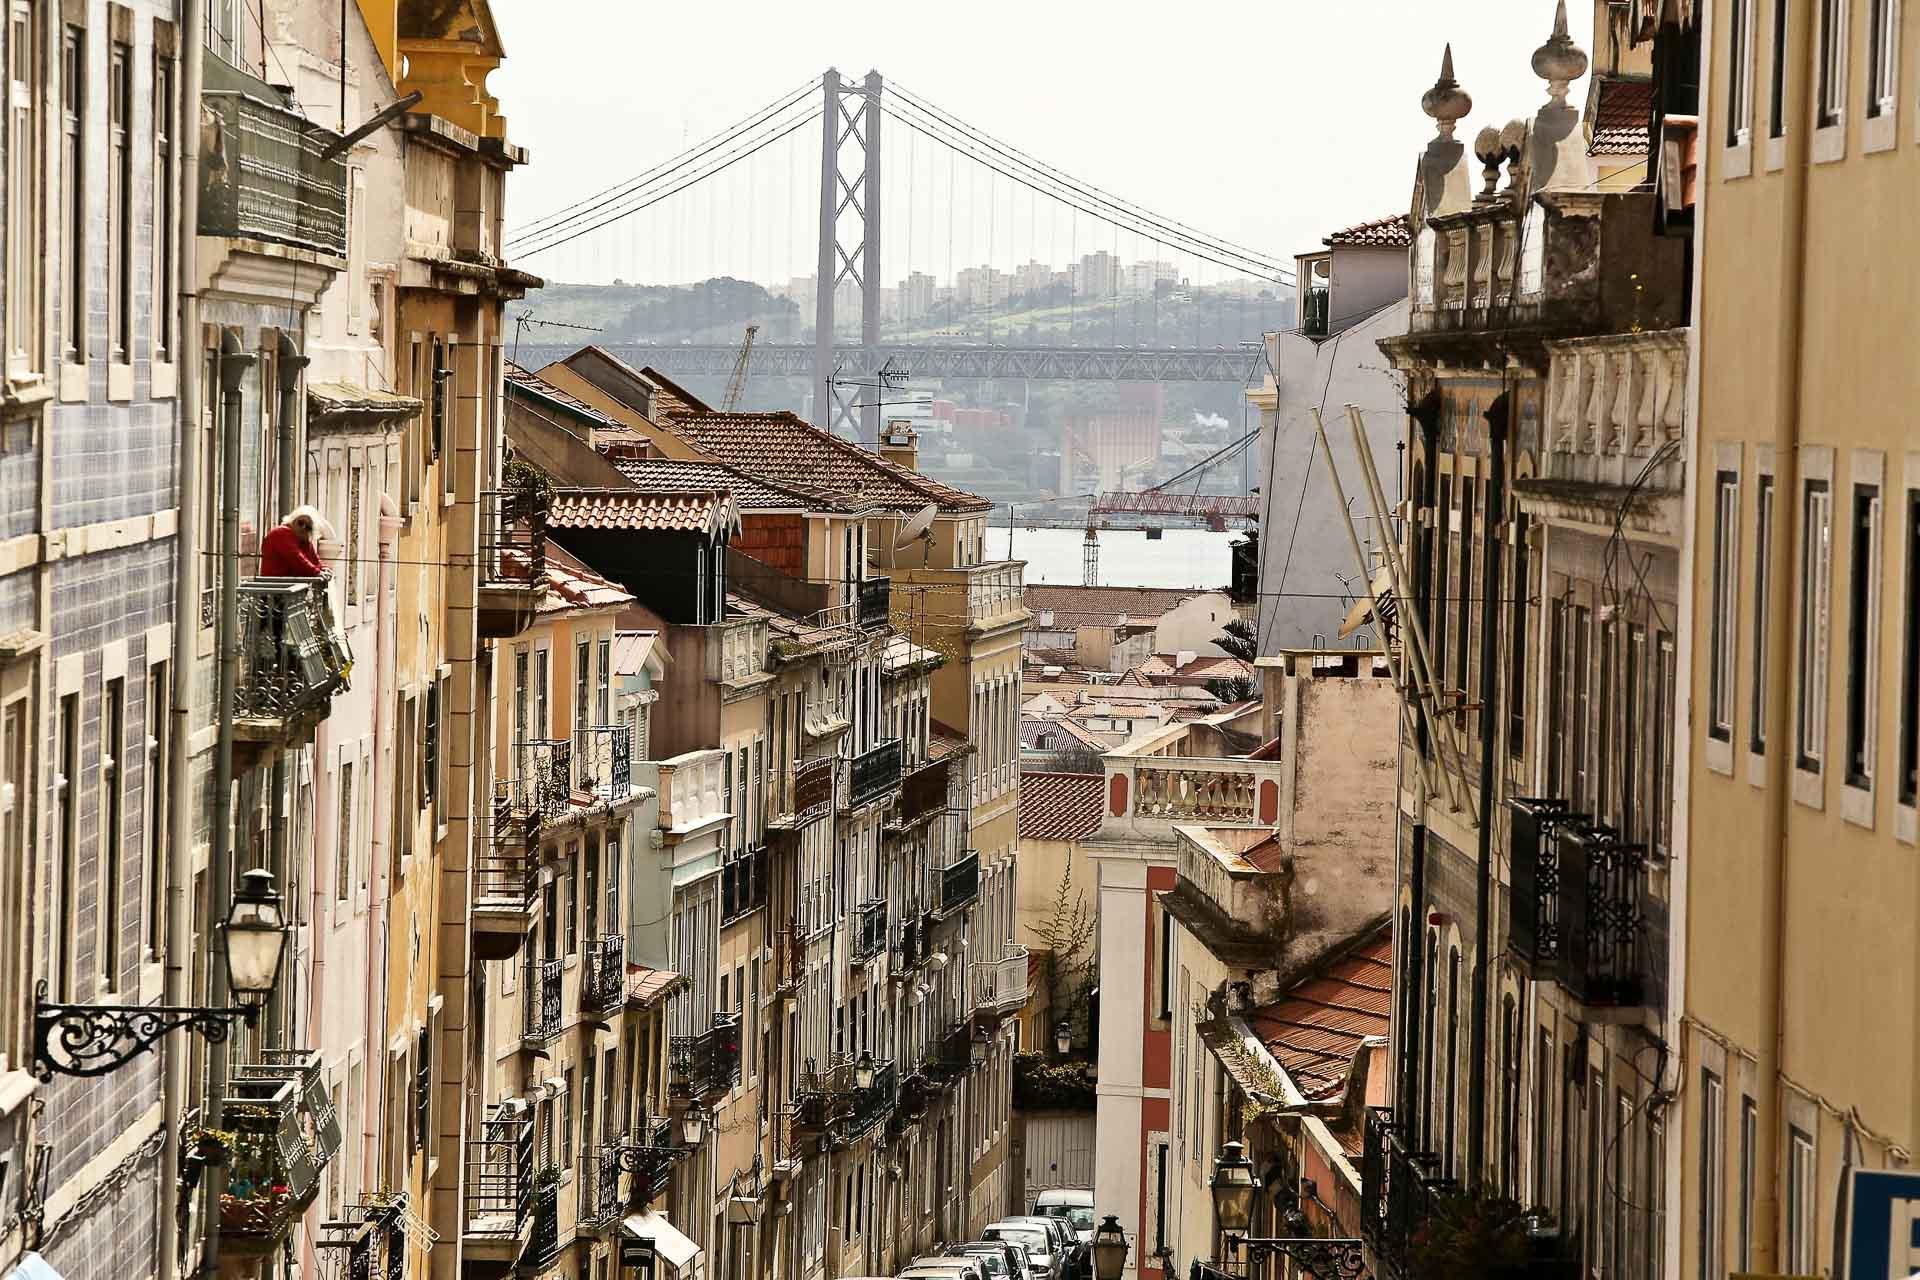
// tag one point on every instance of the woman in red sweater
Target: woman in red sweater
(288, 550)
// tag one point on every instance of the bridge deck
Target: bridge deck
(786, 360)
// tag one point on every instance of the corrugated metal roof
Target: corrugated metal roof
(1317, 1029)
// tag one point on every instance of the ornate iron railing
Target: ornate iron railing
(1000, 986)
(598, 1197)
(603, 761)
(872, 774)
(503, 865)
(284, 1132)
(648, 1154)
(513, 536)
(876, 602)
(603, 974)
(812, 789)
(870, 930)
(708, 1064)
(499, 1181)
(1579, 904)
(542, 783)
(1533, 930)
(948, 1058)
(910, 946)
(868, 1107)
(293, 659)
(923, 794)
(276, 182)
(542, 1001)
(543, 1245)
(959, 882)
(1397, 1191)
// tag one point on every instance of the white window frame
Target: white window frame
(1829, 96)
(1813, 616)
(1723, 639)
(1880, 131)
(1802, 1196)
(1738, 161)
(1713, 1177)
(1766, 588)
(1858, 785)
(1906, 806)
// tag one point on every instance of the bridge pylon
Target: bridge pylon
(849, 251)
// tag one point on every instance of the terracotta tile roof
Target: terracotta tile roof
(671, 400)
(528, 384)
(1315, 1030)
(750, 493)
(944, 741)
(645, 986)
(1102, 606)
(572, 585)
(1621, 114)
(786, 450)
(1389, 232)
(692, 511)
(1060, 806)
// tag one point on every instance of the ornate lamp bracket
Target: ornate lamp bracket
(95, 1039)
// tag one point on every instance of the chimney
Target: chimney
(900, 444)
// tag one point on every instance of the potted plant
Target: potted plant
(1480, 1237)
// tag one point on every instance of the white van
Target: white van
(1073, 1204)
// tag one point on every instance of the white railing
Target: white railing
(1612, 402)
(1001, 985)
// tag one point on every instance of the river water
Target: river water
(1178, 558)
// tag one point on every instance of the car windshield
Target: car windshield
(1080, 1215)
(1033, 1237)
(996, 1262)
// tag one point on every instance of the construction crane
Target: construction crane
(737, 383)
(1215, 509)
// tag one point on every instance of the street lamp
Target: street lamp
(95, 1039)
(1234, 1187)
(1063, 1037)
(1109, 1250)
(692, 1127)
(863, 1071)
(981, 1041)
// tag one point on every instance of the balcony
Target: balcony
(498, 1207)
(283, 1134)
(959, 883)
(870, 930)
(1580, 906)
(513, 553)
(293, 660)
(830, 1104)
(870, 1106)
(603, 762)
(876, 602)
(910, 949)
(789, 961)
(743, 885)
(987, 596)
(543, 1240)
(504, 882)
(274, 185)
(598, 1206)
(707, 1066)
(541, 1003)
(1398, 1188)
(806, 793)
(603, 976)
(872, 775)
(1613, 403)
(948, 1058)
(1000, 986)
(1187, 774)
(923, 795)
(540, 789)
(648, 1153)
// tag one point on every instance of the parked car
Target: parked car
(1041, 1264)
(1075, 1205)
(949, 1267)
(1003, 1257)
(1075, 1262)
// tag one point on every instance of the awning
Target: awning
(33, 1267)
(347, 404)
(667, 1240)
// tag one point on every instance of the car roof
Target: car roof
(1065, 1195)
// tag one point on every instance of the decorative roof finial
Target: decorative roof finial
(1488, 150)
(1559, 61)
(1446, 102)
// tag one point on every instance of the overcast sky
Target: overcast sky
(1266, 124)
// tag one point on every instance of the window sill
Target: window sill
(1757, 768)
(1737, 161)
(1809, 789)
(1829, 144)
(73, 383)
(119, 382)
(1719, 755)
(1906, 824)
(1880, 133)
(163, 380)
(1856, 805)
(1776, 158)
(27, 391)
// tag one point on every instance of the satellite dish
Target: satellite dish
(917, 527)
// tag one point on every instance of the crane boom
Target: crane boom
(737, 383)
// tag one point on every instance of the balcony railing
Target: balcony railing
(982, 592)
(541, 786)
(293, 660)
(822, 1100)
(513, 534)
(870, 930)
(876, 602)
(810, 791)
(743, 885)
(960, 883)
(284, 1133)
(1579, 905)
(499, 1181)
(603, 975)
(707, 1065)
(598, 1203)
(872, 774)
(543, 1245)
(603, 761)
(1398, 1188)
(1225, 795)
(789, 960)
(870, 1106)
(910, 947)
(923, 794)
(648, 1153)
(274, 183)
(542, 1002)
(1000, 986)
(948, 1058)
(505, 882)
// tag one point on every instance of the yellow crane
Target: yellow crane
(737, 383)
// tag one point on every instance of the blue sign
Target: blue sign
(1883, 1226)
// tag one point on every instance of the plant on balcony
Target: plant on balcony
(1039, 1085)
(1471, 1236)
(528, 480)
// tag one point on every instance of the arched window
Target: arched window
(1453, 1059)
(1429, 1037)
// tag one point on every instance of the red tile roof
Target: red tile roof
(1060, 806)
(1622, 117)
(693, 511)
(1315, 1030)
(787, 450)
(1389, 232)
(1102, 606)
(750, 493)
(572, 585)
(944, 741)
(644, 985)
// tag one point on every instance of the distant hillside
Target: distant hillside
(712, 311)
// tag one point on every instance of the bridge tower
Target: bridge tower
(849, 250)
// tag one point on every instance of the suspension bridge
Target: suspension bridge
(906, 187)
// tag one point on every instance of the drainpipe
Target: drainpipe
(386, 621)
(288, 362)
(1497, 416)
(234, 363)
(175, 948)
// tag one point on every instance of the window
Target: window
(1543, 1074)
(1910, 657)
(73, 203)
(1802, 1201)
(1726, 559)
(1510, 1047)
(567, 1095)
(25, 248)
(1165, 1003)
(1660, 806)
(1863, 627)
(120, 202)
(1777, 95)
(1815, 570)
(430, 747)
(156, 796)
(1555, 746)
(519, 697)
(343, 835)
(603, 684)
(1463, 665)
(1830, 101)
(441, 374)
(1762, 604)
(1441, 587)
(1713, 1105)
(66, 787)
(1430, 1040)
(1749, 1141)
(540, 720)
(1580, 686)
(113, 786)
(1453, 1058)
(1883, 56)
(164, 232)
(582, 682)
(1517, 642)
(1740, 74)
(1607, 701)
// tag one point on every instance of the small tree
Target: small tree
(1066, 938)
(1238, 640)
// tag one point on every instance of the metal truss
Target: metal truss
(1068, 364)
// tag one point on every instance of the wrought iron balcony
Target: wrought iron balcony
(541, 1002)
(910, 946)
(603, 761)
(603, 975)
(822, 1100)
(960, 883)
(274, 183)
(707, 1065)
(808, 793)
(1000, 986)
(948, 1058)
(1398, 1188)
(648, 1153)
(541, 786)
(504, 881)
(1579, 905)
(789, 960)
(870, 930)
(283, 1133)
(543, 1242)
(499, 1179)
(872, 774)
(513, 553)
(923, 795)
(293, 659)
(743, 885)
(598, 1206)
(876, 602)
(873, 1104)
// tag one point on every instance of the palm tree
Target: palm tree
(1238, 640)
